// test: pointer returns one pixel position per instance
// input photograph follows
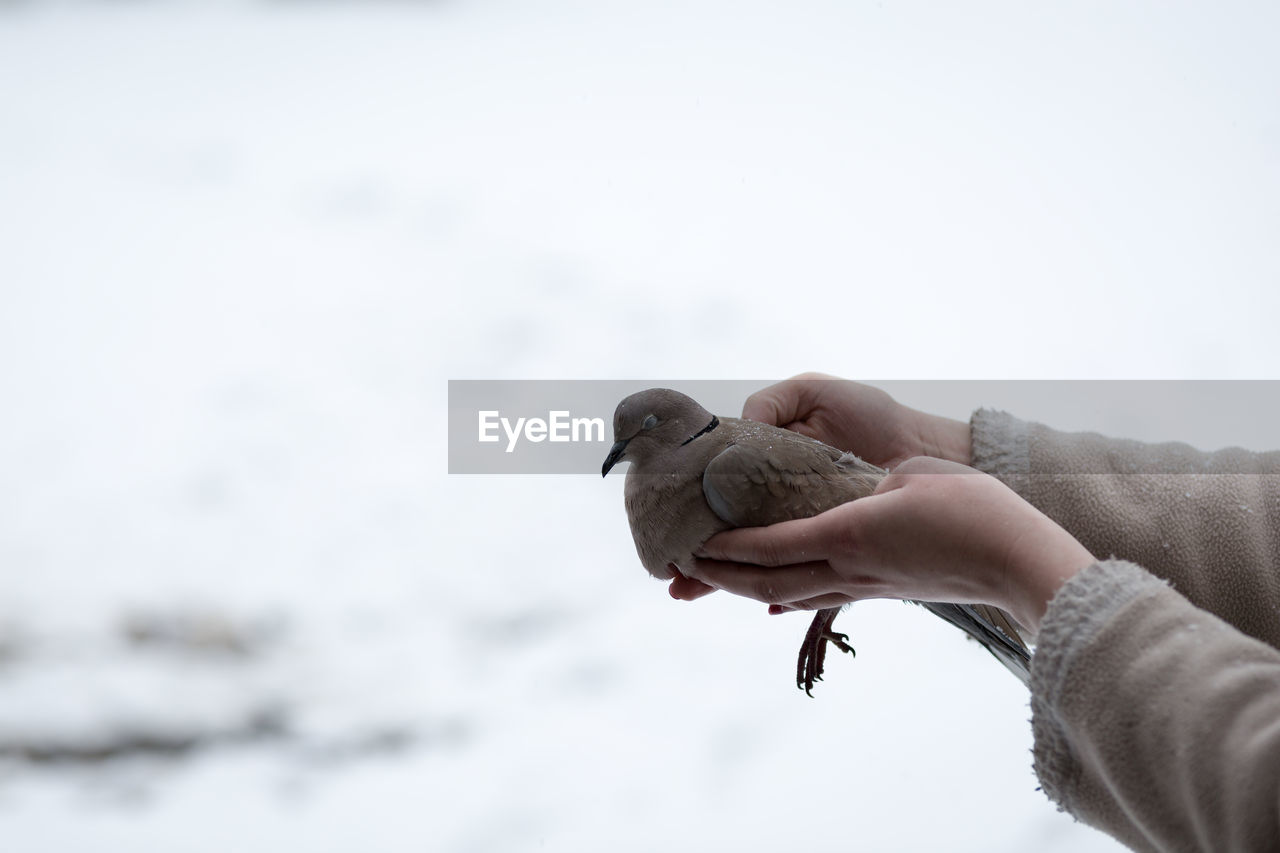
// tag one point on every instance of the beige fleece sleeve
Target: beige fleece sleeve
(1155, 721)
(1209, 523)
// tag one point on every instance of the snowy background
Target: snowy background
(244, 244)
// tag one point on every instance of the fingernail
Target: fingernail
(776, 610)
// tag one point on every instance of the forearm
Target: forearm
(1154, 720)
(1202, 521)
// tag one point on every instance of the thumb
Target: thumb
(786, 402)
(899, 476)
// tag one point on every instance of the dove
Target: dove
(693, 474)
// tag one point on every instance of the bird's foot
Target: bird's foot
(813, 652)
(840, 641)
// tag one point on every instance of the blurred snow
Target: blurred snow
(244, 245)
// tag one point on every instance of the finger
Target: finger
(819, 602)
(783, 585)
(824, 602)
(931, 465)
(688, 589)
(784, 403)
(921, 467)
(779, 544)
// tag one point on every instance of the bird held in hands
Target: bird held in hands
(694, 474)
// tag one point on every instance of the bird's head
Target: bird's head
(652, 422)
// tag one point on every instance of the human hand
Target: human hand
(858, 418)
(854, 417)
(933, 530)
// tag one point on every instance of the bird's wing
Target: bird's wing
(756, 482)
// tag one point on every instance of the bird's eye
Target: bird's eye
(650, 422)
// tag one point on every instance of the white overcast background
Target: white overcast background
(244, 245)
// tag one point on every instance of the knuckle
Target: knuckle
(893, 480)
(766, 552)
(848, 541)
(914, 465)
(762, 406)
(841, 532)
(767, 591)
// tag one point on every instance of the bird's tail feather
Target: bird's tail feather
(984, 625)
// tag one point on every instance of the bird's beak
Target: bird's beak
(615, 453)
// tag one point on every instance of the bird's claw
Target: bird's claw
(840, 641)
(813, 652)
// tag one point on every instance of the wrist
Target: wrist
(944, 438)
(1041, 578)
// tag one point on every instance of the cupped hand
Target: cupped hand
(858, 418)
(854, 417)
(934, 530)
